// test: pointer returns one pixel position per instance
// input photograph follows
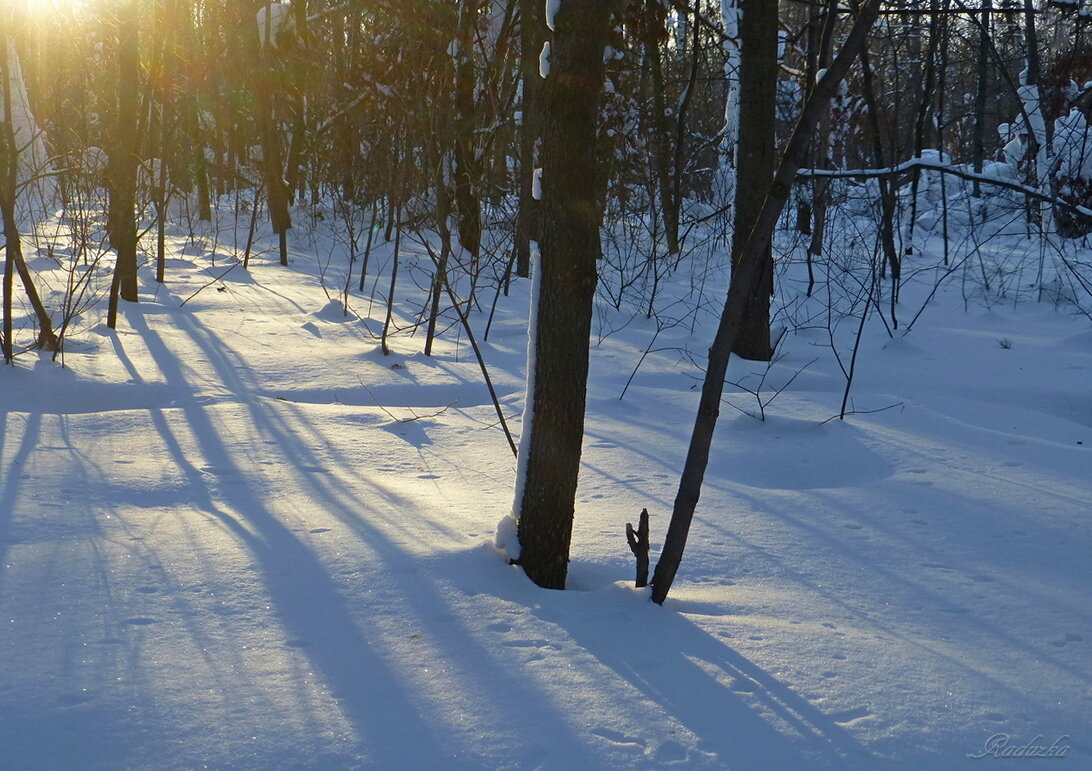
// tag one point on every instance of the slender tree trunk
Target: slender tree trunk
(7, 343)
(886, 185)
(390, 294)
(204, 195)
(1038, 136)
(468, 207)
(756, 161)
(568, 248)
(942, 113)
(124, 158)
(654, 35)
(9, 168)
(13, 253)
(822, 151)
(166, 67)
(532, 35)
(982, 92)
(368, 246)
(747, 283)
(678, 166)
(925, 113)
(439, 277)
(813, 33)
(729, 12)
(13, 245)
(297, 143)
(272, 152)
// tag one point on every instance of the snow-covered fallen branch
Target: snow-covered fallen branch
(926, 165)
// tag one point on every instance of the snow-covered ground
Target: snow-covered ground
(233, 534)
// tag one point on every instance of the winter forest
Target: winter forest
(545, 384)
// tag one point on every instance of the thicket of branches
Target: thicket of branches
(385, 102)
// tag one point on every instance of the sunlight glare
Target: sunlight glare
(40, 7)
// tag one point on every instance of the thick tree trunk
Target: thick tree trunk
(756, 159)
(276, 186)
(122, 166)
(747, 284)
(569, 246)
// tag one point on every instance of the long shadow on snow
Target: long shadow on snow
(727, 716)
(85, 703)
(309, 602)
(305, 598)
(883, 575)
(515, 699)
(239, 691)
(740, 713)
(12, 481)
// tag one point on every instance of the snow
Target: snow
(233, 534)
(1072, 147)
(552, 7)
(507, 538)
(1036, 125)
(273, 19)
(726, 178)
(544, 61)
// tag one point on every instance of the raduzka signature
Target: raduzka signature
(1003, 746)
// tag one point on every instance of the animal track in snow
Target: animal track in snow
(851, 717)
(525, 643)
(616, 737)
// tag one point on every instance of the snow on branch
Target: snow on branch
(926, 165)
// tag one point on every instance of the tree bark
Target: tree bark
(569, 246)
(532, 34)
(276, 186)
(653, 28)
(13, 246)
(756, 160)
(982, 70)
(122, 166)
(468, 208)
(822, 149)
(887, 186)
(925, 122)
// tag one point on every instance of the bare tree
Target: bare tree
(10, 166)
(756, 160)
(748, 284)
(567, 277)
(124, 158)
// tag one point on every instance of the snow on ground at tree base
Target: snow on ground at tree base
(234, 535)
